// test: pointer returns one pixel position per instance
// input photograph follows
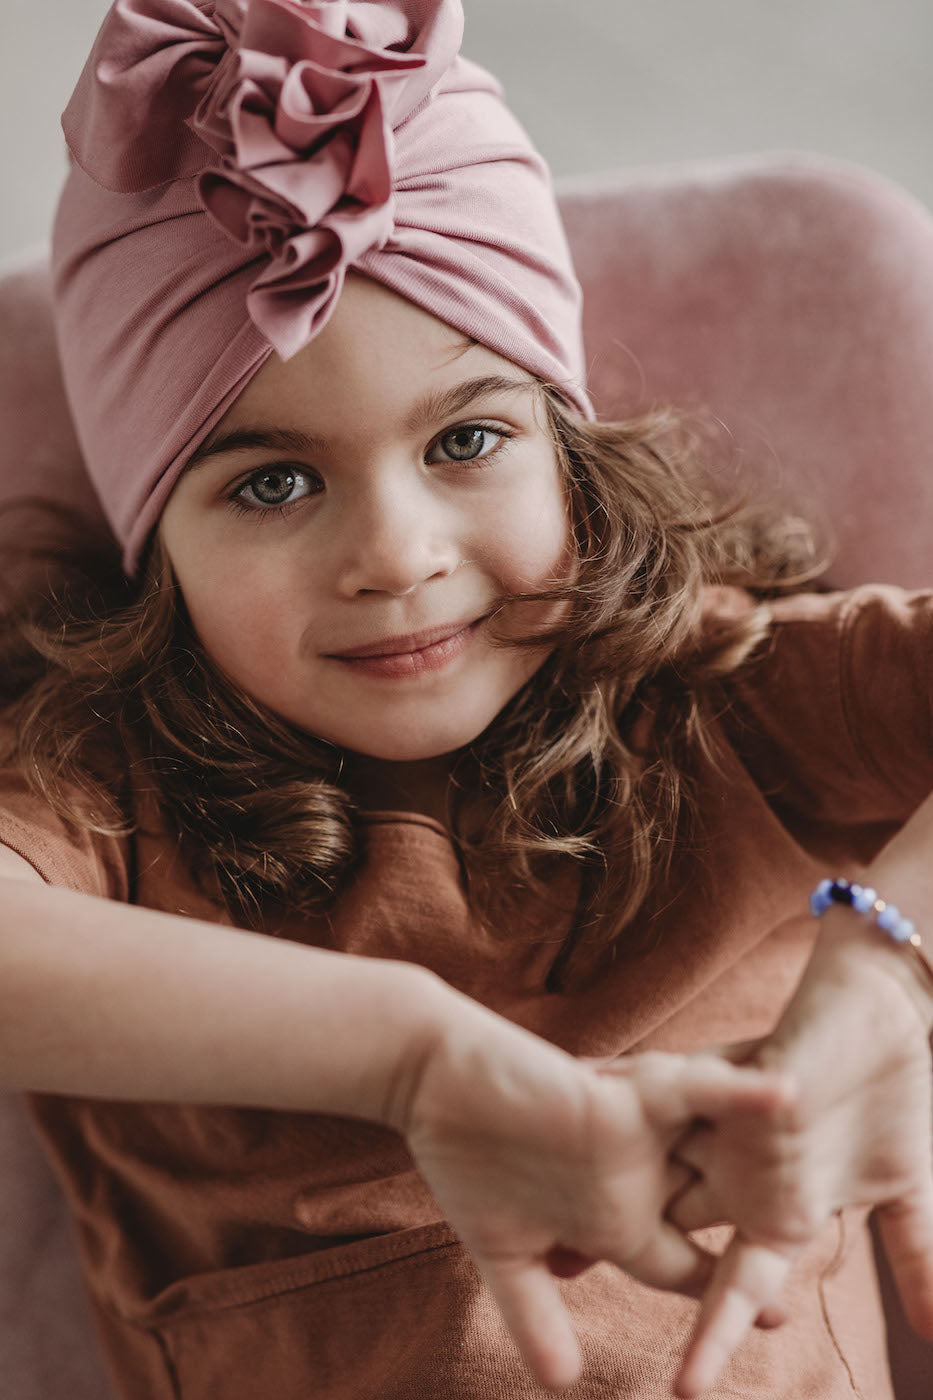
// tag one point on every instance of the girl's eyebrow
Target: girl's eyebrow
(430, 409)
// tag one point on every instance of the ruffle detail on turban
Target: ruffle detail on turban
(296, 102)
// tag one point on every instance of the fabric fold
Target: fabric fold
(233, 160)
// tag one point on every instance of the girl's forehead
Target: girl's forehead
(378, 354)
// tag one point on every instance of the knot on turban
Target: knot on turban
(298, 100)
(232, 159)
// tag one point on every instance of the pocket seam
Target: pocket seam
(307, 1271)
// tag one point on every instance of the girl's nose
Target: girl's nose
(393, 541)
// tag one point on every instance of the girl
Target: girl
(426, 759)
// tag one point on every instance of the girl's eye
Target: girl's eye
(468, 442)
(273, 487)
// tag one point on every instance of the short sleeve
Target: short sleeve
(62, 854)
(886, 682)
(834, 715)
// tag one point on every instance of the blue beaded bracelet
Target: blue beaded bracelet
(864, 900)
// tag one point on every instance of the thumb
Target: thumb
(534, 1312)
(906, 1228)
(737, 1052)
(680, 1089)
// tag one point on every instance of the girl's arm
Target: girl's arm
(856, 1038)
(106, 1000)
(541, 1164)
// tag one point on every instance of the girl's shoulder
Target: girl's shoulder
(886, 608)
(71, 842)
(835, 704)
(848, 627)
(845, 636)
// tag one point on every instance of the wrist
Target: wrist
(858, 939)
(437, 1014)
(464, 1062)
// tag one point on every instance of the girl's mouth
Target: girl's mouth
(396, 658)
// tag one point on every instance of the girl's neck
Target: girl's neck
(379, 785)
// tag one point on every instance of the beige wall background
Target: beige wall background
(599, 83)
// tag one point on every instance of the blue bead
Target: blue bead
(889, 918)
(820, 900)
(862, 898)
(902, 931)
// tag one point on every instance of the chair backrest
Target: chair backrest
(790, 297)
(793, 298)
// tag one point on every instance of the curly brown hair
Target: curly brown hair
(590, 762)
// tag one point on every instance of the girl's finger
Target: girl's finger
(694, 1207)
(640, 1062)
(772, 1315)
(534, 1313)
(744, 1287)
(694, 1149)
(906, 1228)
(738, 1052)
(703, 1086)
(670, 1261)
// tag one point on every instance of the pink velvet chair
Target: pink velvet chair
(793, 297)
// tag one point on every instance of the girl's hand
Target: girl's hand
(855, 1038)
(544, 1164)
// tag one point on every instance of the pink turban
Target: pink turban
(232, 159)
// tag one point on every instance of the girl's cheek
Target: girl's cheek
(536, 534)
(567, 559)
(556, 553)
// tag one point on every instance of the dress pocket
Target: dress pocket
(402, 1316)
(405, 1316)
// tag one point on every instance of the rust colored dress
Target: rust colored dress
(239, 1254)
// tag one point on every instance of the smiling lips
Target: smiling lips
(395, 658)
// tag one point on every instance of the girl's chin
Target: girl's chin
(405, 746)
(411, 753)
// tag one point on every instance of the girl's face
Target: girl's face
(348, 526)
